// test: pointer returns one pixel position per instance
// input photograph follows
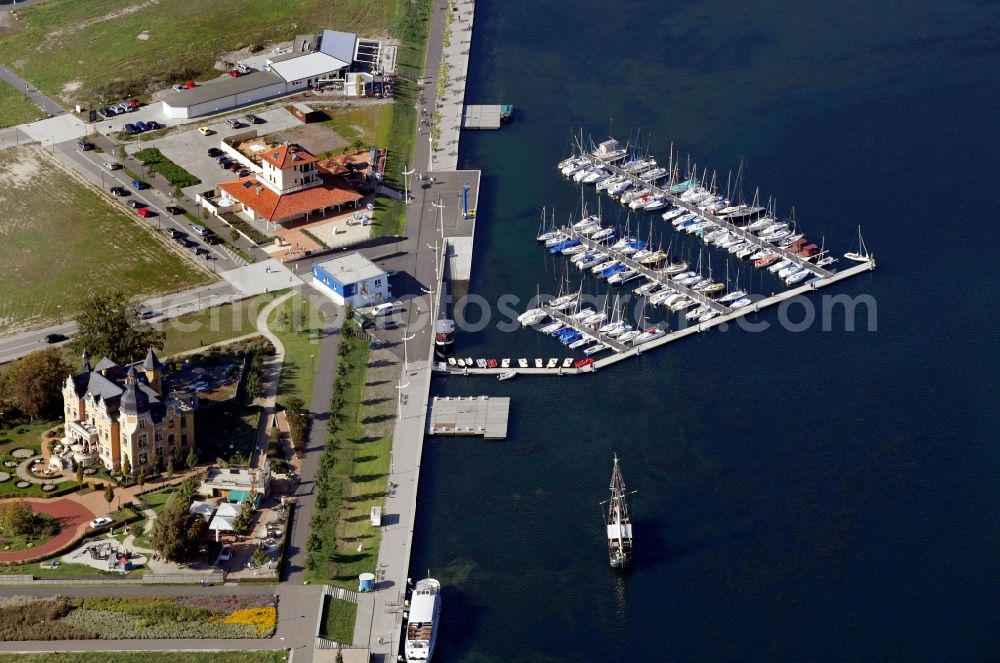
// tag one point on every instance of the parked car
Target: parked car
(205, 131)
(224, 163)
(119, 191)
(145, 212)
(243, 172)
(385, 308)
(100, 522)
(139, 185)
(253, 119)
(134, 103)
(134, 204)
(201, 230)
(234, 166)
(85, 145)
(147, 314)
(244, 69)
(106, 112)
(141, 126)
(235, 73)
(55, 338)
(213, 239)
(131, 129)
(153, 125)
(174, 234)
(214, 152)
(225, 554)
(178, 87)
(235, 124)
(173, 209)
(111, 165)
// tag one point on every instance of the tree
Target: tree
(109, 326)
(36, 383)
(79, 473)
(16, 517)
(259, 557)
(109, 495)
(192, 459)
(154, 462)
(178, 453)
(234, 234)
(170, 468)
(141, 479)
(177, 533)
(126, 467)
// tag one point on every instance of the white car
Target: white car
(100, 522)
(111, 165)
(385, 308)
(179, 88)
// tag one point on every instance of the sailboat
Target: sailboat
(619, 524)
(862, 255)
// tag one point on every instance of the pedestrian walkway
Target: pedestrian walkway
(451, 106)
(47, 104)
(270, 377)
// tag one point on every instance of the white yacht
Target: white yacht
(422, 625)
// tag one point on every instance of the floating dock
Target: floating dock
(472, 415)
(487, 118)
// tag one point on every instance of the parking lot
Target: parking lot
(189, 149)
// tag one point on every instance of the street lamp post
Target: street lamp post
(399, 399)
(406, 359)
(406, 185)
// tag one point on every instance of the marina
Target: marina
(473, 415)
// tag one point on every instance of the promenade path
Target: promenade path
(270, 376)
(451, 106)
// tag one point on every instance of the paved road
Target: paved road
(298, 612)
(47, 104)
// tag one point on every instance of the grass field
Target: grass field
(15, 108)
(297, 323)
(63, 571)
(277, 656)
(183, 38)
(60, 241)
(338, 620)
(157, 163)
(352, 475)
(214, 325)
(358, 126)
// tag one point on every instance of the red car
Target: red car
(135, 103)
(144, 212)
(235, 73)
(189, 85)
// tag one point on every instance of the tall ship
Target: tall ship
(422, 625)
(619, 523)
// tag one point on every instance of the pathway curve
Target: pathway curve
(270, 375)
(73, 517)
(23, 473)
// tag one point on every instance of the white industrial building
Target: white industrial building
(309, 62)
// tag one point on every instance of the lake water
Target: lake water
(819, 495)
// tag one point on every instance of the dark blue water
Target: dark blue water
(821, 495)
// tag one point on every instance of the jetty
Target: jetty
(489, 118)
(469, 415)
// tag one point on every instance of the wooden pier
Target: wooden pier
(482, 117)
(707, 216)
(472, 415)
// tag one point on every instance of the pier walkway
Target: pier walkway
(678, 334)
(721, 222)
(481, 117)
(651, 274)
(451, 105)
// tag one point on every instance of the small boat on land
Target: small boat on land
(522, 362)
(539, 363)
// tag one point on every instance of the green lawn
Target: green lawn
(157, 163)
(297, 324)
(60, 241)
(338, 620)
(214, 325)
(352, 479)
(358, 126)
(63, 571)
(15, 108)
(185, 37)
(278, 656)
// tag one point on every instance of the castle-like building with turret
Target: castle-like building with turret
(114, 413)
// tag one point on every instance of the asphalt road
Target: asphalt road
(45, 103)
